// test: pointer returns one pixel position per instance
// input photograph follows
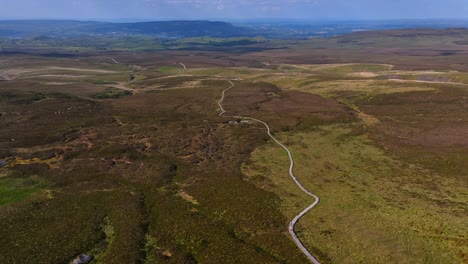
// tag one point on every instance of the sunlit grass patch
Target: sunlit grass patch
(353, 68)
(14, 189)
(168, 69)
(329, 88)
(234, 72)
(373, 207)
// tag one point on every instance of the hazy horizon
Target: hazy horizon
(312, 10)
(299, 20)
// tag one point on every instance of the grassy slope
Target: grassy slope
(373, 209)
(377, 207)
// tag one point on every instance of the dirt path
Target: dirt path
(293, 222)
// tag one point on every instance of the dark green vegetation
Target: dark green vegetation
(122, 155)
(82, 46)
(131, 165)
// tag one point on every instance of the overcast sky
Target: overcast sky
(233, 9)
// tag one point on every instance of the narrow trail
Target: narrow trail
(293, 222)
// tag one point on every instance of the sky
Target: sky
(232, 9)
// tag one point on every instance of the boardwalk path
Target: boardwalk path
(293, 222)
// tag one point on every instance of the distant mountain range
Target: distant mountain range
(188, 29)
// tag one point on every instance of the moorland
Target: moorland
(114, 147)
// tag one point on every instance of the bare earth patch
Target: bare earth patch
(57, 76)
(364, 74)
(427, 81)
(368, 119)
(74, 69)
(13, 73)
(187, 197)
(56, 83)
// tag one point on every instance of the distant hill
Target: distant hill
(404, 38)
(25, 28)
(412, 32)
(201, 28)
(165, 29)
